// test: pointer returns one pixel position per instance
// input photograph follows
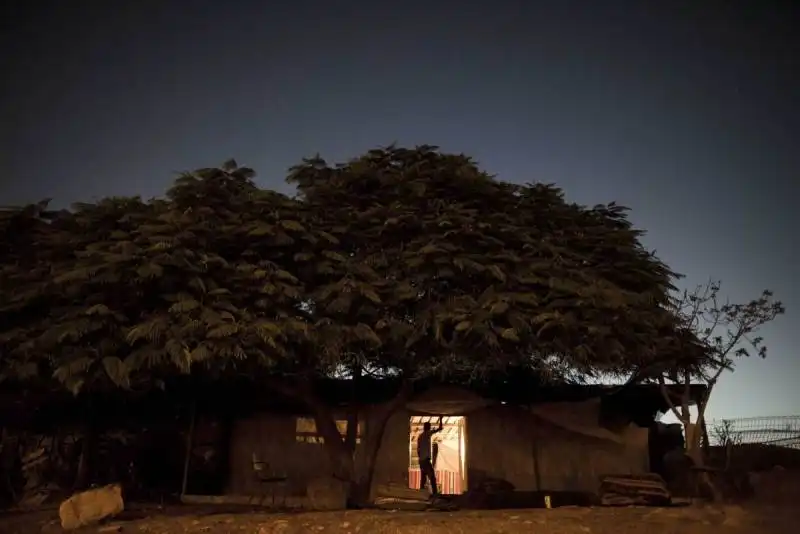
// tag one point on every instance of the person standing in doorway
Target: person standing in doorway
(427, 472)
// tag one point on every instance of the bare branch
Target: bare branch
(725, 332)
(662, 387)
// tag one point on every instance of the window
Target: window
(306, 430)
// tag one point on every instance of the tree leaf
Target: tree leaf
(334, 256)
(497, 272)
(286, 276)
(98, 309)
(184, 306)
(261, 230)
(293, 225)
(463, 325)
(222, 331)
(117, 371)
(150, 270)
(219, 291)
(509, 334)
(371, 295)
(303, 256)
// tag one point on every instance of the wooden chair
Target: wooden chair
(272, 483)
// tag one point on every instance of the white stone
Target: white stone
(91, 506)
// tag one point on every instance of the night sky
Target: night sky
(689, 113)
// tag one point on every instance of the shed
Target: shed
(559, 438)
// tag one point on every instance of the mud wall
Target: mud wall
(534, 455)
(500, 446)
(511, 444)
(568, 461)
(272, 439)
(503, 442)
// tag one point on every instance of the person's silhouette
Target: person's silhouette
(424, 453)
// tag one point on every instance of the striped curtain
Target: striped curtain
(449, 482)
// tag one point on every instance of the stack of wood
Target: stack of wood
(634, 490)
(400, 497)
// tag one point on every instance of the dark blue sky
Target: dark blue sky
(688, 113)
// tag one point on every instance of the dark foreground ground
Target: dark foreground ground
(688, 520)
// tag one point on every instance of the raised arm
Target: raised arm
(440, 426)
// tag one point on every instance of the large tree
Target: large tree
(457, 273)
(150, 288)
(129, 293)
(404, 261)
(470, 263)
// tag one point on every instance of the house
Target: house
(557, 438)
(534, 437)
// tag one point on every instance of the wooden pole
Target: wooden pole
(537, 475)
(189, 436)
(464, 454)
(460, 458)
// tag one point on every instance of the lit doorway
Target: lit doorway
(450, 453)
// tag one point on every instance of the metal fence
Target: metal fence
(782, 431)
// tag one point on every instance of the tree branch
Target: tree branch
(662, 387)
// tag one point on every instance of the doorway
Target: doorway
(450, 457)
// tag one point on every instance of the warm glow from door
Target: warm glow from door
(451, 461)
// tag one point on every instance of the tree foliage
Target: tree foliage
(144, 289)
(481, 272)
(409, 261)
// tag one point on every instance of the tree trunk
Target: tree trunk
(86, 459)
(339, 449)
(301, 389)
(694, 451)
(372, 444)
(189, 446)
(342, 464)
(359, 478)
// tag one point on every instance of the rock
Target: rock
(91, 506)
(327, 494)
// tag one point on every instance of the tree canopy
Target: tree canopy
(409, 261)
(404, 259)
(143, 289)
(481, 272)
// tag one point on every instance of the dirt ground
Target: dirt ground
(688, 520)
